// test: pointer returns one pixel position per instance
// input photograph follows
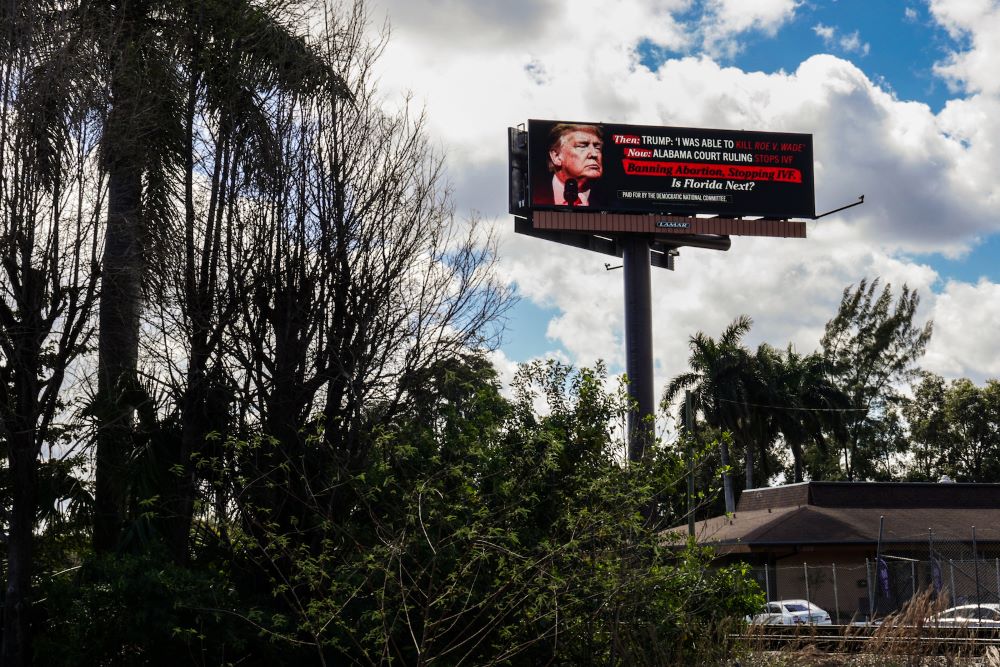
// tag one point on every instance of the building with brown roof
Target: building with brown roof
(854, 546)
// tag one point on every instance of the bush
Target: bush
(484, 533)
(141, 610)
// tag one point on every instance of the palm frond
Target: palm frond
(261, 48)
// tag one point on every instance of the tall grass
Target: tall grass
(902, 639)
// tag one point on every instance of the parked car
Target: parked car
(792, 612)
(983, 615)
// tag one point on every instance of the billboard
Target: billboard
(678, 170)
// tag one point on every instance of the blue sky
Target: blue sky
(895, 43)
(901, 97)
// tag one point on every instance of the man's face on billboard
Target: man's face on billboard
(578, 156)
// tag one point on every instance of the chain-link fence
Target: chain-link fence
(858, 583)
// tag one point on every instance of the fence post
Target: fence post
(805, 571)
(975, 562)
(836, 594)
(951, 568)
(878, 566)
(871, 592)
(932, 561)
(913, 579)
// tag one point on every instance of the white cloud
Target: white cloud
(506, 369)
(726, 20)
(550, 70)
(736, 16)
(977, 22)
(851, 43)
(487, 24)
(825, 32)
(910, 14)
(926, 176)
(966, 322)
(480, 24)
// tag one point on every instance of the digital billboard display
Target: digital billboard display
(650, 169)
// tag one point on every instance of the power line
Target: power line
(786, 407)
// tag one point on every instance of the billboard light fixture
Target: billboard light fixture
(861, 200)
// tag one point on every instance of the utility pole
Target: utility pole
(638, 344)
(689, 428)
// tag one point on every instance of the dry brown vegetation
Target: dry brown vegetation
(902, 639)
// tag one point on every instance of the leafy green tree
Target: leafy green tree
(955, 429)
(973, 415)
(355, 277)
(490, 532)
(872, 344)
(887, 446)
(928, 426)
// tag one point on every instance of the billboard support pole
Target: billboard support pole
(638, 344)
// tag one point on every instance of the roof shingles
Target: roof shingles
(849, 513)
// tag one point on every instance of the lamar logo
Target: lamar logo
(664, 224)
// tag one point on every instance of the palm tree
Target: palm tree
(805, 404)
(758, 428)
(152, 65)
(718, 380)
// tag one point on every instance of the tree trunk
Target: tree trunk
(199, 298)
(118, 352)
(797, 465)
(183, 487)
(727, 478)
(850, 446)
(749, 468)
(23, 461)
